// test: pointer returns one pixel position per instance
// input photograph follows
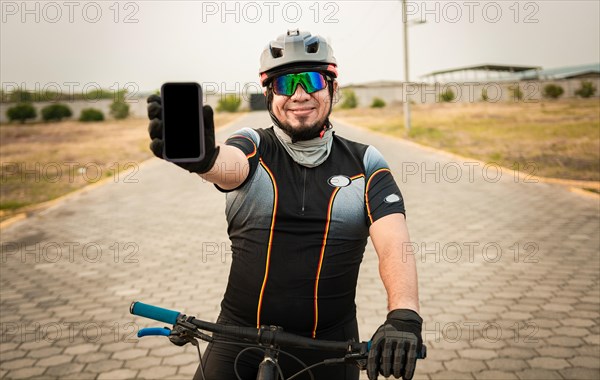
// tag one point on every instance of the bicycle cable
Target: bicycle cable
(307, 369)
(235, 369)
(200, 358)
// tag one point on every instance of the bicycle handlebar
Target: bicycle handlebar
(264, 335)
(154, 312)
(162, 331)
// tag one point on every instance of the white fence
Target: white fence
(137, 106)
(465, 92)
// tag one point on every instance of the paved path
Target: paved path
(509, 272)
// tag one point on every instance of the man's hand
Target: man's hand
(155, 129)
(395, 345)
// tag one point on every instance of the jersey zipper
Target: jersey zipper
(303, 189)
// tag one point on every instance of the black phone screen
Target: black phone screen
(182, 122)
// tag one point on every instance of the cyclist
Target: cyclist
(299, 213)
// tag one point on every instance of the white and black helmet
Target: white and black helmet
(296, 51)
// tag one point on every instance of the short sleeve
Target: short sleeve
(247, 140)
(382, 195)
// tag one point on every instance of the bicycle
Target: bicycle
(186, 329)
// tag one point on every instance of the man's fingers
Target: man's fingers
(208, 118)
(386, 362)
(154, 111)
(154, 99)
(399, 354)
(156, 146)
(373, 362)
(411, 361)
(155, 129)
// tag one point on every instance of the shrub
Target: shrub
(91, 114)
(447, 96)
(119, 109)
(349, 99)
(516, 93)
(378, 103)
(484, 95)
(553, 91)
(56, 112)
(21, 112)
(229, 103)
(586, 90)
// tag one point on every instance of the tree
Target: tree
(21, 112)
(56, 112)
(484, 95)
(447, 96)
(229, 103)
(91, 114)
(349, 99)
(378, 103)
(553, 91)
(21, 96)
(516, 93)
(586, 90)
(119, 109)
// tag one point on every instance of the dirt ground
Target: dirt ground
(43, 161)
(559, 139)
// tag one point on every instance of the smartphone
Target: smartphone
(183, 128)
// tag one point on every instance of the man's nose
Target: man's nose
(300, 94)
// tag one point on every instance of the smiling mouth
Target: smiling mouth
(301, 111)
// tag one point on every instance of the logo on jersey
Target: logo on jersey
(391, 198)
(339, 181)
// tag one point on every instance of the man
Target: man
(299, 216)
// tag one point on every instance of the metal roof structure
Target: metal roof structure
(487, 67)
(563, 72)
(481, 71)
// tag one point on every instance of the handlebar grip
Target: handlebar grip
(154, 312)
(154, 331)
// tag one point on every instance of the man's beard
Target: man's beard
(304, 133)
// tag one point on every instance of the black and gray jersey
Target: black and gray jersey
(298, 234)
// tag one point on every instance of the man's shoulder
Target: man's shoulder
(353, 146)
(255, 134)
(371, 158)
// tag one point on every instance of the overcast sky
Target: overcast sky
(149, 42)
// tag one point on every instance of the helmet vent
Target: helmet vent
(313, 47)
(276, 52)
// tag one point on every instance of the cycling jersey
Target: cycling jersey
(298, 234)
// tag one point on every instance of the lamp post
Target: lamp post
(406, 74)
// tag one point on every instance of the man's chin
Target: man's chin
(303, 131)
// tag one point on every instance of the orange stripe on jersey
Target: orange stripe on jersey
(367, 190)
(253, 144)
(316, 296)
(275, 198)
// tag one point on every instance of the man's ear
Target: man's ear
(336, 95)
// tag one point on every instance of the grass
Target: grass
(559, 139)
(43, 161)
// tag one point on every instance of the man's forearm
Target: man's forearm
(397, 265)
(399, 275)
(230, 169)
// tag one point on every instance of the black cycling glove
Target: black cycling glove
(155, 129)
(395, 346)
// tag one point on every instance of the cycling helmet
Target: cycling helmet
(296, 51)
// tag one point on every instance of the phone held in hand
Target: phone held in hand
(183, 127)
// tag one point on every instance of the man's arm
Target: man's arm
(397, 267)
(230, 169)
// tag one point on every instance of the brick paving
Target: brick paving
(508, 270)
